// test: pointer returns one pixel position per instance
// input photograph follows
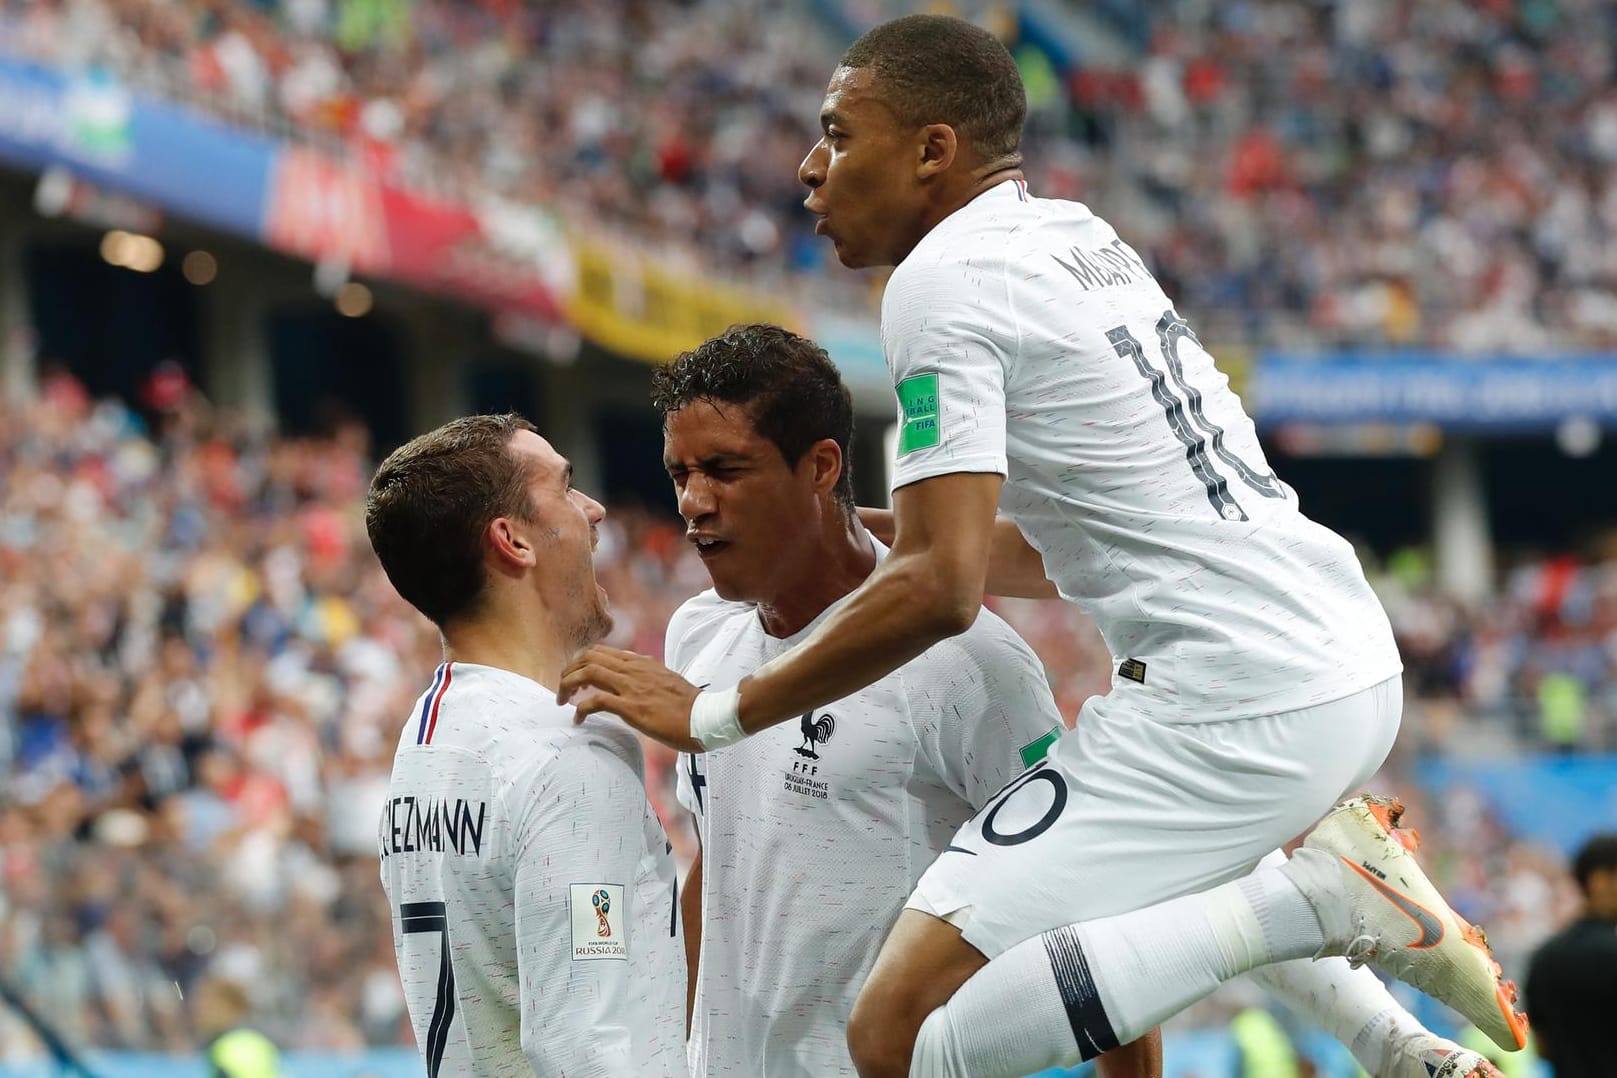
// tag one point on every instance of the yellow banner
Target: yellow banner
(1236, 363)
(632, 304)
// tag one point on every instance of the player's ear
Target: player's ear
(825, 458)
(937, 150)
(510, 544)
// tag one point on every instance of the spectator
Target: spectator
(1572, 984)
(199, 690)
(1366, 174)
(234, 1049)
(198, 701)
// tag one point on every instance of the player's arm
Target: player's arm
(1014, 568)
(950, 376)
(577, 832)
(690, 913)
(690, 896)
(929, 587)
(686, 774)
(949, 354)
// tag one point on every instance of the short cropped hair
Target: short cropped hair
(938, 69)
(430, 502)
(1599, 854)
(790, 386)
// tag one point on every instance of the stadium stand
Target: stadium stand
(1366, 174)
(202, 673)
(201, 680)
(202, 669)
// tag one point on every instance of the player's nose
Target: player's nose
(696, 499)
(812, 171)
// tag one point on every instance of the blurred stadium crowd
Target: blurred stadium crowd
(203, 672)
(1363, 174)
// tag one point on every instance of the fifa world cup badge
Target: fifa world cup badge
(598, 928)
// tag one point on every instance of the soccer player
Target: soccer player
(1040, 370)
(532, 887)
(814, 832)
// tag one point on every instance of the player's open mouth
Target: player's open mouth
(820, 226)
(707, 547)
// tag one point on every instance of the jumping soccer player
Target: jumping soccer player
(1040, 370)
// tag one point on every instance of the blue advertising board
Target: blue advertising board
(1459, 393)
(1555, 801)
(180, 159)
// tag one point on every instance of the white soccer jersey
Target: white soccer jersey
(814, 832)
(532, 888)
(1025, 338)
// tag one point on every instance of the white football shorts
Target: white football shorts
(1126, 812)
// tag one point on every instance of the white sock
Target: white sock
(1075, 992)
(1288, 919)
(1350, 1004)
(1318, 875)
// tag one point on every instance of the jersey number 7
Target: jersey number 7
(1183, 404)
(434, 917)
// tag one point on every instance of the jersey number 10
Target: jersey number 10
(1183, 404)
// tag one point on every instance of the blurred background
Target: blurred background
(248, 246)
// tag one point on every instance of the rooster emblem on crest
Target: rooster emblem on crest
(815, 731)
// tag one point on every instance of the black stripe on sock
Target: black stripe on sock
(1091, 1029)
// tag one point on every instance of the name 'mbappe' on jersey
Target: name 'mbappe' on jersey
(1026, 339)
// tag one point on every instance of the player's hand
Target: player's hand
(639, 690)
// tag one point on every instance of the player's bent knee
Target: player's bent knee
(922, 964)
(879, 1049)
(886, 1017)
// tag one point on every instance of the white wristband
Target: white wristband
(715, 719)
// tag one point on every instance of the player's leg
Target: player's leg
(1071, 993)
(1117, 976)
(1354, 1006)
(924, 961)
(1125, 814)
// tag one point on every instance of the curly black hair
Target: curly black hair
(793, 392)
